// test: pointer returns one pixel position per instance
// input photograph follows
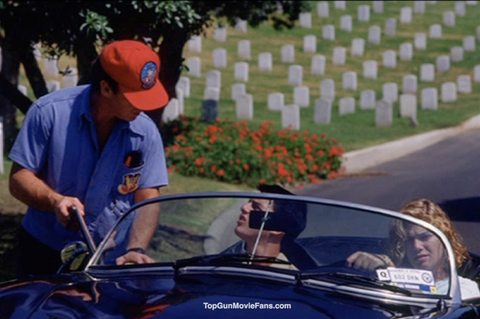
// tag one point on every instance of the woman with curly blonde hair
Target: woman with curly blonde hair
(412, 246)
(430, 212)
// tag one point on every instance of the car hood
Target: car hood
(195, 297)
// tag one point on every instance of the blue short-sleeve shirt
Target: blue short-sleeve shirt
(58, 142)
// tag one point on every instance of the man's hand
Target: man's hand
(369, 262)
(133, 257)
(61, 210)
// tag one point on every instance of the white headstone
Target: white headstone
(322, 9)
(323, 111)
(276, 101)
(310, 44)
(244, 49)
(460, 8)
(340, 4)
(349, 80)
(358, 47)
(390, 59)
(339, 55)
(301, 96)
(368, 100)
(244, 107)
(469, 44)
(346, 23)
(181, 100)
(291, 117)
(171, 111)
(456, 54)
(420, 41)
(50, 67)
(374, 35)
(408, 105)
(71, 78)
(305, 19)
(427, 72)
(184, 85)
(464, 84)
(288, 53)
(384, 113)
(194, 66)
(295, 75)
(328, 32)
(214, 79)
(449, 92)
(390, 27)
(449, 19)
(22, 88)
(220, 58)
(363, 13)
(327, 89)
(52, 86)
(241, 26)
(346, 105)
(406, 52)
(430, 99)
(443, 63)
(476, 73)
(471, 2)
(318, 64)
(370, 69)
(406, 15)
(220, 34)
(409, 83)
(241, 71)
(419, 7)
(390, 92)
(265, 61)
(238, 89)
(478, 33)
(195, 44)
(435, 31)
(211, 93)
(377, 6)
(37, 51)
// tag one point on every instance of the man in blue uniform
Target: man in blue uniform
(90, 147)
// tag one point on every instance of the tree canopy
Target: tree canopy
(81, 28)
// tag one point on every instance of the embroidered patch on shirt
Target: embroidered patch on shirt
(130, 183)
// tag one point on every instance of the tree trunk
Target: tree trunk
(86, 54)
(10, 71)
(33, 73)
(171, 56)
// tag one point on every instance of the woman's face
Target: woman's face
(423, 249)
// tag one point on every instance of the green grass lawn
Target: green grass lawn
(357, 130)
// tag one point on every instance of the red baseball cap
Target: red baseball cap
(135, 66)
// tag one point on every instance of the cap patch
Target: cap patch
(148, 75)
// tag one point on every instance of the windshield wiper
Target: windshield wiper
(350, 278)
(225, 259)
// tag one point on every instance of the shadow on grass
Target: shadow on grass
(9, 225)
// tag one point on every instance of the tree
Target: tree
(80, 28)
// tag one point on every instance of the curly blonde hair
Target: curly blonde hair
(430, 212)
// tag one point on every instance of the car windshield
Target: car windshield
(319, 241)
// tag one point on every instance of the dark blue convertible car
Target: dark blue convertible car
(248, 255)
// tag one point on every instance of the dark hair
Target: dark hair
(98, 74)
(294, 213)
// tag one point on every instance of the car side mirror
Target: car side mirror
(74, 256)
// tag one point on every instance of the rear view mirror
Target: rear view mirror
(74, 256)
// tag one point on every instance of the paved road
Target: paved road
(447, 172)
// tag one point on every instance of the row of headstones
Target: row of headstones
(339, 56)
(406, 13)
(363, 12)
